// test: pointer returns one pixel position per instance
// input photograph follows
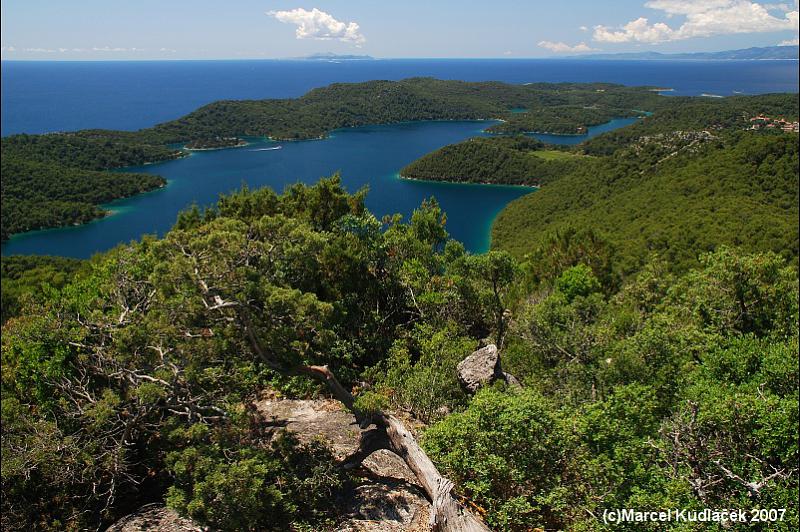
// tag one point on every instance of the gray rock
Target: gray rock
(386, 498)
(155, 517)
(480, 368)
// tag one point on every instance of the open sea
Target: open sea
(39, 97)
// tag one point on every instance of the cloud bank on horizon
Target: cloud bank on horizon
(704, 18)
(561, 47)
(319, 25)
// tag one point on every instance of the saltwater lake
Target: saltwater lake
(39, 97)
(366, 156)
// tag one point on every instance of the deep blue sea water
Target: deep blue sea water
(39, 97)
(42, 96)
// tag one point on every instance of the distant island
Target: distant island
(745, 54)
(329, 56)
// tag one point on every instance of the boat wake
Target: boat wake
(268, 149)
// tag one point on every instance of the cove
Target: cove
(366, 156)
(591, 131)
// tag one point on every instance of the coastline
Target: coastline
(106, 210)
(330, 133)
(241, 144)
(400, 176)
(178, 154)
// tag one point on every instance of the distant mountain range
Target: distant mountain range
(768, 52)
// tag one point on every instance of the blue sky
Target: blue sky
(201, 29)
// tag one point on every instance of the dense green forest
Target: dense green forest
(88, 150)
(61, 179)
(503, 159)
(645, 299)
(215, 143)
(27, 276)
(509, 160)
(697, 114)
(685, 179)
(381, 102)
(676, 193)
(658, 389)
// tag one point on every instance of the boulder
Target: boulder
(155, 517)
(480, 368)
(483, 367)
(385, 499)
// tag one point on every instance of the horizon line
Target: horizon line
(592, 57)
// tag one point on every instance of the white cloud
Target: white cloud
(8, 49)
(560, 47)
(639, 30)
(790, 42)
(584, 28)
(316, 24)
(703, 19)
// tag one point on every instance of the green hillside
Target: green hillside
(562, 119)
(132, 378)
(61, 179)
(381, 102)
(676, 195)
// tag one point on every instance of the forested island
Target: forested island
(507, 160)
(636, 321)
(342, 105)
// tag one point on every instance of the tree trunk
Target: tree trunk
(447, 514)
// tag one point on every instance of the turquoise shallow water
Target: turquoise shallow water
(366, 156)
(592, 132)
